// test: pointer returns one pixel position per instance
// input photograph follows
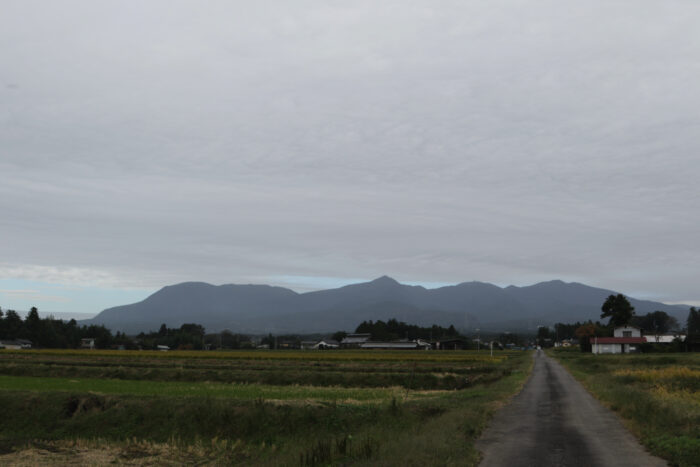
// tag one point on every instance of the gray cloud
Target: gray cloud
(145, 143)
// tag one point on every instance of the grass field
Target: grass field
(657, 395)
(420, 370)
(251, 408)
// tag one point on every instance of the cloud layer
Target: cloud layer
(508, 141)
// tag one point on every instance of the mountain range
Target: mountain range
(267, 309)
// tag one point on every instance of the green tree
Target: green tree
(32, 324)
(339, 335)
(584, 334)
(693, 323)
(618, 309)
(13, 325)
(658, 322)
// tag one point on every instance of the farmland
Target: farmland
(252, 407)
(657, 395)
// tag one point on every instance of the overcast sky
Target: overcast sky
(316, 143)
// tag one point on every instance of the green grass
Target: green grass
(655, 394)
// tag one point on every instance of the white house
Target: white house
(626, 340)
(627, 331)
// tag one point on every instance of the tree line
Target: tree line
(620, 312)
(58, 334)
(55, 333)
(394, 330)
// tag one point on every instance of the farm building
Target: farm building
(15, 344)
(626, 339)
(327, 344)
(87, 343)
(397, 345)
(664, 338)
(320, 344)
(354, 341)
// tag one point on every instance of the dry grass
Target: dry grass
(98, 452)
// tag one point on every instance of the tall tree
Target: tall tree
(693, 323)
(658, 322)
(618, 309)
(33, 324)
(13, 325)
(584, 333)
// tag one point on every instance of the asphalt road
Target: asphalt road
(554, 421)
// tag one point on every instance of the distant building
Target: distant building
(325, 344)
(354, 341)
(87, 343)
(626, 340)
(397, 345)
(664, 338)
(15, 344)
(162, 348)
(322, 344)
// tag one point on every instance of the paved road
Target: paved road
(555, 422)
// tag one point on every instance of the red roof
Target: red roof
(618, 340)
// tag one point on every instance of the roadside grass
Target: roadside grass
(655, 394)
(247, 425)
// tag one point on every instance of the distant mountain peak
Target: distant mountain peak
(385, 280)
